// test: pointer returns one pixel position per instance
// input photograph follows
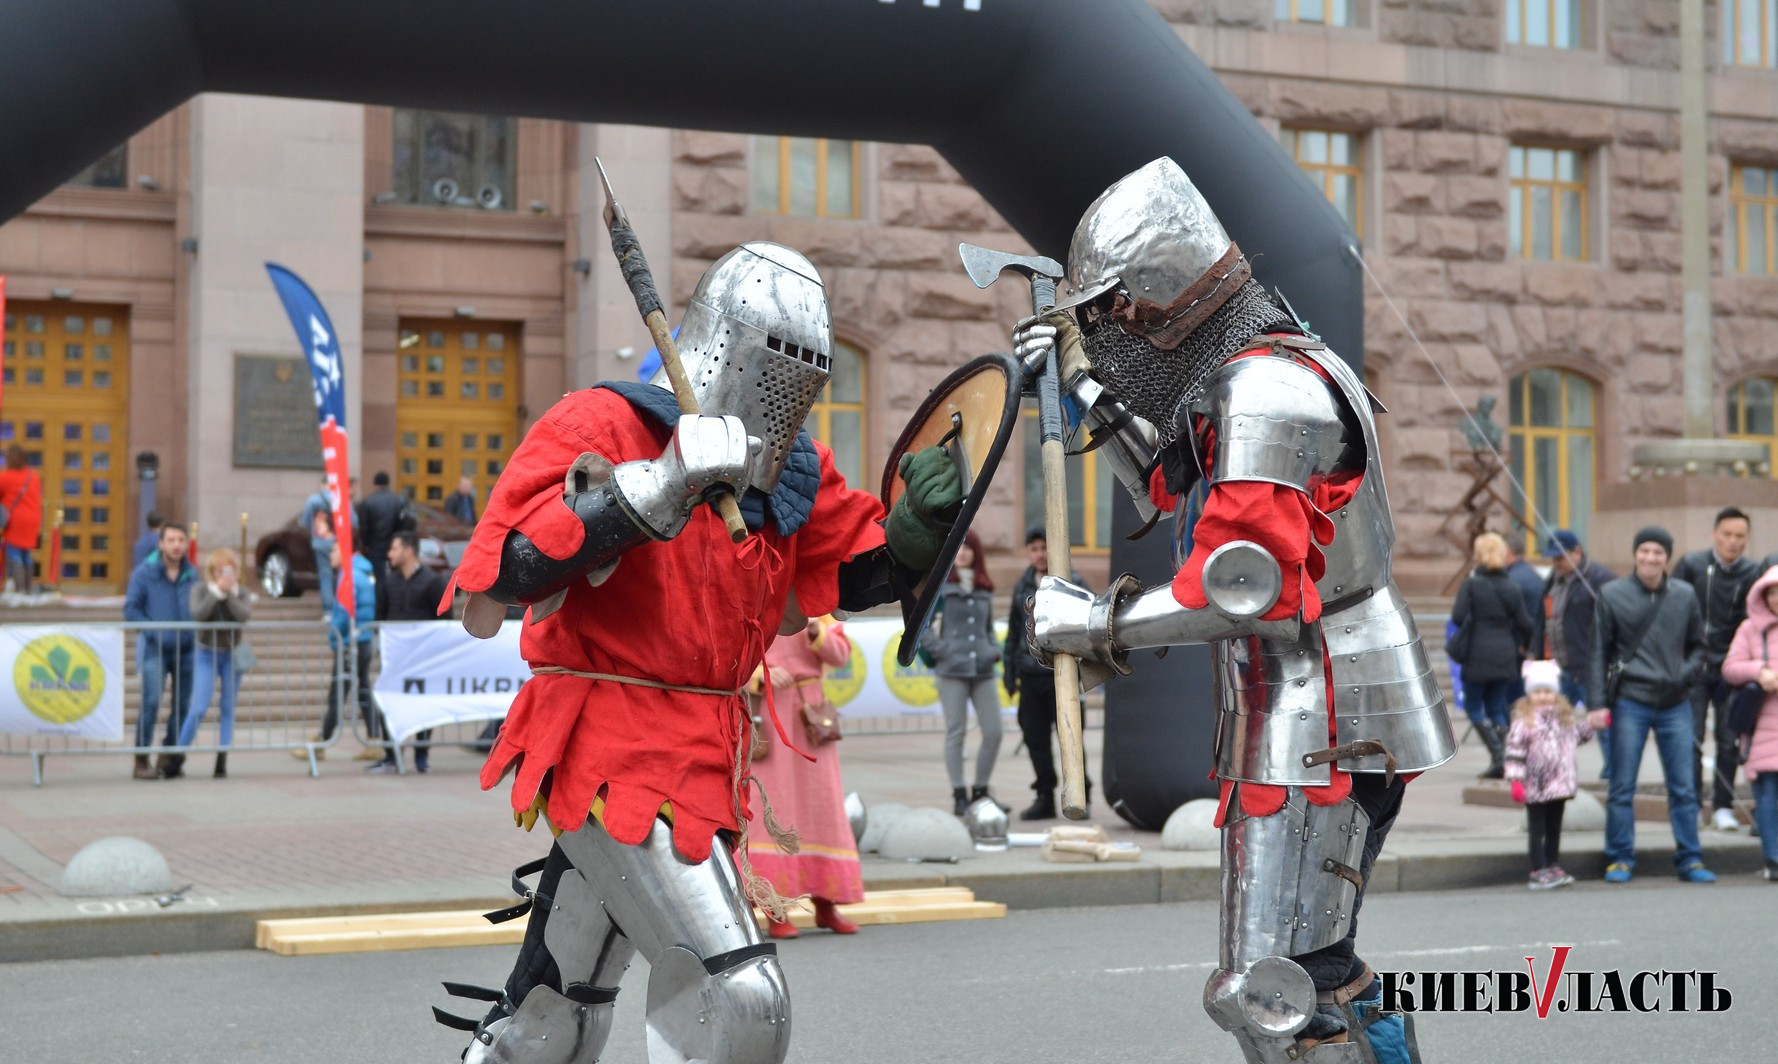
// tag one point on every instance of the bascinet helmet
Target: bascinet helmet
(757, 344)
(1148, 265)
(987, 823)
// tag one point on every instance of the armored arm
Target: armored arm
(626, 505)
(1241, 580)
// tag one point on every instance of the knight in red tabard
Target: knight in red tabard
(645, 623)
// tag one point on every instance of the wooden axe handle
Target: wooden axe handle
(688, 403)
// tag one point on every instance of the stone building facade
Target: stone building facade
(1439, 117)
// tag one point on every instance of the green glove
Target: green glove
(922, 517)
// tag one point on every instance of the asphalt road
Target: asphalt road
(1074, 985)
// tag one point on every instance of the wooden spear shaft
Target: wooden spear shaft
(634, 266)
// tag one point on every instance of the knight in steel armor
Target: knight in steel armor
(645, 622)
(1206, 386)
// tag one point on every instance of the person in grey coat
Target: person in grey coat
(1650, 626)
(960, 647)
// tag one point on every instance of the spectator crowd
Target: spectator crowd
(1674, 651)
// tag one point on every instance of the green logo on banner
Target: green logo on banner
(59, 679)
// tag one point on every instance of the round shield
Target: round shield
(971, 414)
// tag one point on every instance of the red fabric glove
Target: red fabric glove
(1164, 500)
(1519, 791)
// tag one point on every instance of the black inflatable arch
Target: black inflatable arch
(1038, 103)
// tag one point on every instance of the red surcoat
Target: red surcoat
(696, 611)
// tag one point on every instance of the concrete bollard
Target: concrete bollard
(1192, 827)
(116, 866)
(927, 835)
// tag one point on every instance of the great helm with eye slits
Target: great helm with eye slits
(1149, 265)
(757, 343)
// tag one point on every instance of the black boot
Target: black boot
(144, 770)
(170, 766)
(221, 772)
(1496, 745)
(959, 801)
(979, 791)
(1044, 808)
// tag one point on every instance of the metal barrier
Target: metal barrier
(280, 703)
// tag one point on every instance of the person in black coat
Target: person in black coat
(1490, 613)
(411, 592)
(381, 516)
(1721, 574)
(1563, 620)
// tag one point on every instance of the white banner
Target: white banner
(62, 682)
(873, 685)
(435, 673)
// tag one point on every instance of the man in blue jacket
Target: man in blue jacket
(355, 626)
(160, 591)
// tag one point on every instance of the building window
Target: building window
(1750, 415)
(110, 171)
(1326, 12)
(1753, 198)
(1090, 484)
(1551, 433)
(455, 160)
(1748, 29)
(805, 177)
(1543, 23)
(1331, 160)
(838, 416)
(1548, 205)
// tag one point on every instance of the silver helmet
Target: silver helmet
(757, 344)
(1149, 264)
(987, 823)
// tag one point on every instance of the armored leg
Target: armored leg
(1291, 887)
(557, 1005)
(715, 991)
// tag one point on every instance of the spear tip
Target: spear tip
(613, 212)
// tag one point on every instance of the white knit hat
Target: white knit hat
(1542, 675)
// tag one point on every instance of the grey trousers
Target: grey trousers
(955, 694)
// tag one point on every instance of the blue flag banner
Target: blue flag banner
(321, 349)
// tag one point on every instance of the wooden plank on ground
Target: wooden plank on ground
(433, 930)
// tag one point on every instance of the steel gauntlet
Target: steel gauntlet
(705, 454)
(1241, 580)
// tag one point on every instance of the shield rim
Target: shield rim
(916, 614)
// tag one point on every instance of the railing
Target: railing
(280, 702)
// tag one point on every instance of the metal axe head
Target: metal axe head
(985, 265)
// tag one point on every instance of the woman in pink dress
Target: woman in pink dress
(806, 795)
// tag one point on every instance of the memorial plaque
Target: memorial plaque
(275, 413)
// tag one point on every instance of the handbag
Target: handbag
(1614, 672)
(821, 722)
(1458, 646)
(1748, 699)
(244, 657)
(762, 730)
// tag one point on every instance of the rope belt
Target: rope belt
(634, 681)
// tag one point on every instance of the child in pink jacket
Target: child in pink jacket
(1540, 743)
(1749, 661)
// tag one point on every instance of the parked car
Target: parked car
(286, 562)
